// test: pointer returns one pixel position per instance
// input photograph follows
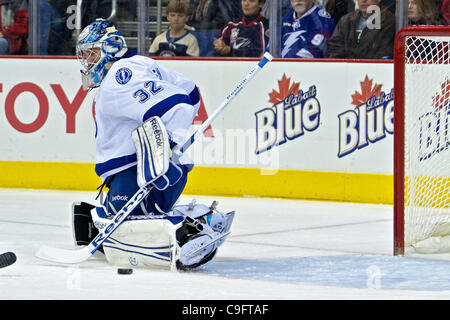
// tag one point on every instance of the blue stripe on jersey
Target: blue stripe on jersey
(165, 105)
(129, 54)
(102, 168)
(159, 110)
(195, 96)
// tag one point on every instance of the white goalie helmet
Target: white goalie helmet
(98, 46)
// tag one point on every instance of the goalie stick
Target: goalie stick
(79, 255)
(266, 58)
(7, 259)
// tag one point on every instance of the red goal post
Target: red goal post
(422, 96)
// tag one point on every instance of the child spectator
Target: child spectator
(247, 38)
(305, 30)
(177, 41)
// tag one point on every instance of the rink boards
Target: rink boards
(301, 129)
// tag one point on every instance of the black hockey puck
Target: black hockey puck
(124, 271)
(7, 259)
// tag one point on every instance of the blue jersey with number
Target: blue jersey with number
(307, 36)
(135, 89)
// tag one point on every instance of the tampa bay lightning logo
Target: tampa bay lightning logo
(133, 261)
(84, 34)
(123, 75)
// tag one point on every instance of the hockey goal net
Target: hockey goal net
(421, 140)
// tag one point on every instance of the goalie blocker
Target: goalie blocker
(186, 238)
(153, 153)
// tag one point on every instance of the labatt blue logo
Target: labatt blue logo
(293, 112)
(434, 126)
(371, 120)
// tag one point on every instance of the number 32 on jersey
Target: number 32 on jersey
(150, 88)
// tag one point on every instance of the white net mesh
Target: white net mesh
(427, 154)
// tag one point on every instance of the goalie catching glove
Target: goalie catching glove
(153, 151)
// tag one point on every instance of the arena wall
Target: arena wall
(301, 129)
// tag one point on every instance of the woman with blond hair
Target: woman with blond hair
(422, 12)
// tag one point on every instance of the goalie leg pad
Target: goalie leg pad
(187, 261)
(192, 210)
(200, 249)
(144, 242)
(204, 230)
(218, 221)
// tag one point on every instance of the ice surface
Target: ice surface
(278, 249)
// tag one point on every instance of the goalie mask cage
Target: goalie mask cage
(421, 140)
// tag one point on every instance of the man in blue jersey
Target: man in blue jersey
(136, 94)
(305, 30)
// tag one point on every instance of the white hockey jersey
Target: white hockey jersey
(135, 89)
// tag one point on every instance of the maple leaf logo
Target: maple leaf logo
(367, 92)
(442, 99)
(285, 87)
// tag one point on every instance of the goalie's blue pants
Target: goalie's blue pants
(123, 185)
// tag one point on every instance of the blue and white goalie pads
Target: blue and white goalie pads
(153, 155)
(145, 242)
(185, 239)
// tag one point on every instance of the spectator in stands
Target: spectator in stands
(213, 14)
(445, 13)
(248, 37)
(337, 8)
(209, 17)
(364, 34)
(51, 24)
(13, 38)
(305, 30)
(422, 12)
(177, 41)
